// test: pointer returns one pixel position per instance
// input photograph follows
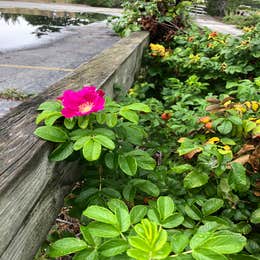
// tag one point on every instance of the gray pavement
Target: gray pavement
(60, 7)
(215, 25)
(33, 69)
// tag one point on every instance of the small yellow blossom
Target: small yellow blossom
(248, 29)
(258, 121)
(255, 106)
(226, 104)
(194, 58)
(223, 66)
(226, 148)
(157, 50)
(240, 108)
(213, 140)
(248, 104)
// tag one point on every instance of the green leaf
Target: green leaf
(103, 230)
(127, 164)
(179, 242)
(62, 152)
(100, 214)
(212, 205)
(83, 122)
(101, 118)
(145, 162)
(255, 217)
(66, 246)
(87, 254)
(47, 114)
(236, 120)
(225, 242)
(111, 119)
(129, 192)
(51, 120)
(81, 142)
(165, 207)
(110, 160)
(225, 127)
(248, 126)
(50, 106)
(113, 247)
(69, 123)
(238, 179)
(173, 221)
(193, 212)
(104, 141)
(138, 107)
(179, 169)
(91, 150)
(146, 186)
(129, 115)
(89, 238)
(51, 133)
(195, 179)
(207, 254)
(137, 213)
(104, 131)
(122, 215)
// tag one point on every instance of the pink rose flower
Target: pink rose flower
(83, 102)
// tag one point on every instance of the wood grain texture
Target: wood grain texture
(32, 188)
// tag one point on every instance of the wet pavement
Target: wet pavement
(31, 70)
(215, 25)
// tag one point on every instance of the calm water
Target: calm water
(22, 30)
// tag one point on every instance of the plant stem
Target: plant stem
(184, 253)
(100, 171)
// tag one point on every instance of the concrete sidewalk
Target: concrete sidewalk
(61, 7)
(32, 70)
(215, 25)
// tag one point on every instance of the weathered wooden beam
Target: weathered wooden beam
(32, 188)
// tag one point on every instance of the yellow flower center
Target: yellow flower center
(85, 107)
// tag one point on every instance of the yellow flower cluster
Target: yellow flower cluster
(157, 50)
(253, 105)
(248, 29)
(194, 58)
(213, 140)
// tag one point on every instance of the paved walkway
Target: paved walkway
(215, 25)
(60, 7)
(32, 70)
